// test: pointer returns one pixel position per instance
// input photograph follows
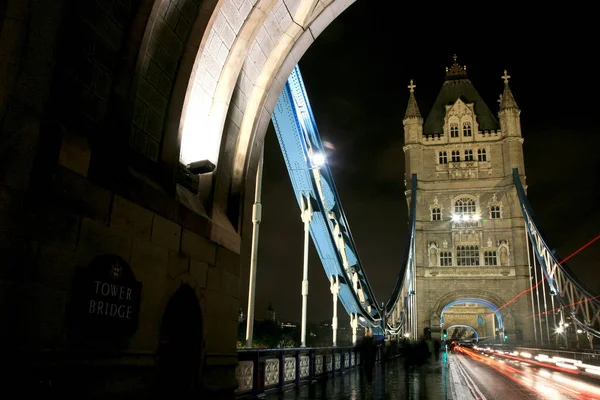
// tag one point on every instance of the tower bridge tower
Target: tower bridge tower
(471, 250)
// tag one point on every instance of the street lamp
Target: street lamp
(317, 159)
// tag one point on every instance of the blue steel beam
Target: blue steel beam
(300, 142)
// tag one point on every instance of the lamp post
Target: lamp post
(307, 214)
(256, 218)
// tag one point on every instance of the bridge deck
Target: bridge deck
(390, 381)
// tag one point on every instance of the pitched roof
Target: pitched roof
(412, 109)
(452, 90)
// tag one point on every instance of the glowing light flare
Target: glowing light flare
(318, 159)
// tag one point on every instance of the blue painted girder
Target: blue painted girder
(299, 139)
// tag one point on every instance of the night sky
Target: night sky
(356, 75)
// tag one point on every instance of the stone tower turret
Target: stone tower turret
(413, 133)
(510, 125)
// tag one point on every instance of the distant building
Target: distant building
(271, 313)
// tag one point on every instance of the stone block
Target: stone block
(178, 264)
(56, 266)
(199, 271)
(152, 149)
(57, 226)
(183, 29)
(166, 233)
(215, 303)
(214, 279)
(230, 284)
(82, 195)
(148, 260)
(129, 217)
(152, 97)
(40, 319)
(168, 63)
(153, 73)
(165, 84)
(171, 43)
(221, 337)
(198, 247)
(96, 238)
(153, 125)
(228, 261)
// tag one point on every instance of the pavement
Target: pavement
(391, 380)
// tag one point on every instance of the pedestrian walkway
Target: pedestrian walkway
(391, 381)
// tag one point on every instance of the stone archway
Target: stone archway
(503, 315)
(180, 346)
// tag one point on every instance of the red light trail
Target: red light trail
(542, 280)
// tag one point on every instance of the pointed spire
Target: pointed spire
(507, 100)
(456, 71)
(412, 109)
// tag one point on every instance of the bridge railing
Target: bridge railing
(275, 370)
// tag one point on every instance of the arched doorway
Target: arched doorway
(180, 347)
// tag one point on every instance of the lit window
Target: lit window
(453, 130)
(467, 255)
(481, 156)
(455, 156)
(436, 214)
(465, 206)
(446, 258)
(468, 155)
(443, 157)
(467, 129)
(490, 257)
(495, 212)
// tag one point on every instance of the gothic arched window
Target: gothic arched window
(465, 206)
(468, 155)
(467, 255)
(467, 129)
(455, 156)
(436, 214)
(490, 257)
(495, 212)
(481, 156)
(453, 130)
(443, 157)
(445, 258)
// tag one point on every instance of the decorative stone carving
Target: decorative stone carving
(489, 242)
(271, 371)
(445, 244)
(328, 362)
(318, 364)
(433, 254)
(289, 372)
(243, 375)
(304, 366)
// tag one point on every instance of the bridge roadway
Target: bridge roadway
(456, 376)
